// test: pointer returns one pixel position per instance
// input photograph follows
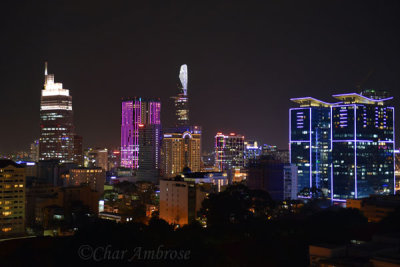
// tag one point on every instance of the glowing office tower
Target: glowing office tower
(346, 149)
(180, 150)
(182, 100)
(229, 151)
(56, 122)
(136, 112)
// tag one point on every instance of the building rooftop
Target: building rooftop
(312, 102)
(6, 162)
(357, 98)
(348, 98)
(154, 99)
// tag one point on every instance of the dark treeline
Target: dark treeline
(233, 237)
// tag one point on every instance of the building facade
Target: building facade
(97, 157)
(56, 122)
(135, 112)
(229, 151)
(274, 176)
(252, 151)
(94, 177)
(345, 149)
(34, 151)
(149, 152)
(180, 150)
(12, 199)
(181, 199)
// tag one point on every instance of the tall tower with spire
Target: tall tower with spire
(181, 145)
(182, 100)
(56, 122)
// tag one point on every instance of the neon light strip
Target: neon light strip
(310, 150)
(300, 141)
(394, 159)
(355, 152)
(331, 148)
(56, 107)
(365, 141)
(297, 108)
(290, 138)
(339, 200)
(313, 99)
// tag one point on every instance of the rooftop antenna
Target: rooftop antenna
(359, 85)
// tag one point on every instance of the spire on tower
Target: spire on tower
(183, 76)
(45, 68)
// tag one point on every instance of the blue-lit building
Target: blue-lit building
(252, 151)
(344, 149)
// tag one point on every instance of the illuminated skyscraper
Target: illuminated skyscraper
(136, 112)
(346, 149)
(229, 151)
(182, 100)
(180, 150)
(56, 122)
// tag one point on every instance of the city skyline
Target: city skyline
(200, 133)
(269, 70)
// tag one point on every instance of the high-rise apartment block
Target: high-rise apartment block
(94, 177)
(229, 151)
(181, 150)
(345, 149)
(136, 113)
(12, 199)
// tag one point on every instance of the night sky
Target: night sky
(245, 60)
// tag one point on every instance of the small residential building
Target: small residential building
(375, 208)
(181, 198)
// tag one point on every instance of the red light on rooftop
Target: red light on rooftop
(116, 152)
(141, 125)
(232, 134)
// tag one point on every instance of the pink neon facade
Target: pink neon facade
(136, 111)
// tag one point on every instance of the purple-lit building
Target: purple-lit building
(136, 112)
(345, 149)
